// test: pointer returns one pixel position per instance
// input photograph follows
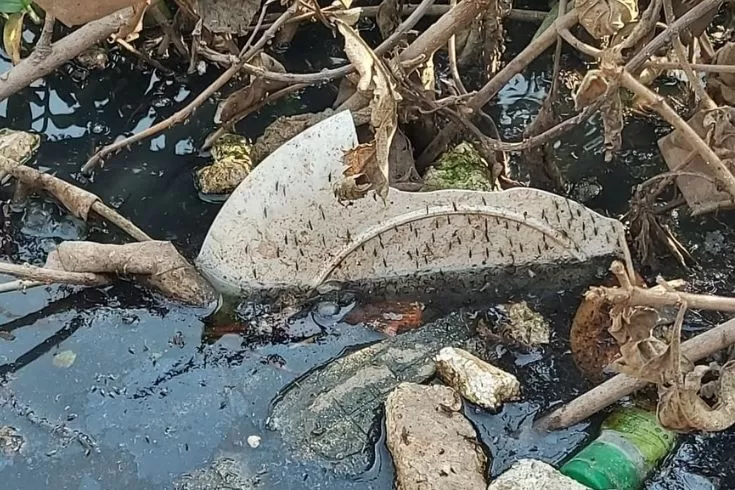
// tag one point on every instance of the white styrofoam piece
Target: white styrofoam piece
(283, 226)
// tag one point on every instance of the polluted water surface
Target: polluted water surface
(116, 388)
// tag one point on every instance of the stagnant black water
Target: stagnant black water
(161, 395)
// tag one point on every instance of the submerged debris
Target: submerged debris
(329, 415)
(222, 473)
(479, 382)
(517, 321)
(434, 447)
(232, 163)
(11, 441)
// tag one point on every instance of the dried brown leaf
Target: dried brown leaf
(78, 12)
(603, 18)
(593, 86)
(360, 166)
(721, 86)
(374, 76)
(682, 407)
(248, 97)
(643, 356)
(131, 29)
(388, 18)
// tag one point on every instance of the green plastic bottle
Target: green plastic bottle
(630, 445)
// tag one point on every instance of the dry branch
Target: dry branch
(47, 276)
(75, 199)
(42, 63)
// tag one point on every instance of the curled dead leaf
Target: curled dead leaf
(360, 168)
(603, 18)
(130, 30)
(388, 18)
(593, 86)
(374, 77)
(682, 405)
(643, 355)
(247, 98)
(721, 86)
(13, 35)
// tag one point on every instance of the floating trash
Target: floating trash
(283, 227)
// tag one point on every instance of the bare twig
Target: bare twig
(186, 112)
(269, 99)
(666, 65)
(42, 274)
(32, 68)
(120, 221)
(492, 87)
(577, 44)
(143, 56)
(694, 81)
(453, 68)
(19, 285)
(49, 183)
(657, 103)
(522, 15)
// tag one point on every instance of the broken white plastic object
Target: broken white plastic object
(284, 228)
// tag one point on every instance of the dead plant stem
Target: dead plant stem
(694, 81)
(657, 103)
(42, 274)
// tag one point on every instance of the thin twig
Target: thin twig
(187, 111)
(19, 285)
(493, 86)
(669, 65)
(453, 68)
(42, 274)
(269, 99)
(694, 81)
(34, 67)
(522, 15)
(579, 45)
(120, 221)
(143, 56)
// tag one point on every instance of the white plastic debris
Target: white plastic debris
(530, 474)
(253, 441)
(476, 380)
(283, 227)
